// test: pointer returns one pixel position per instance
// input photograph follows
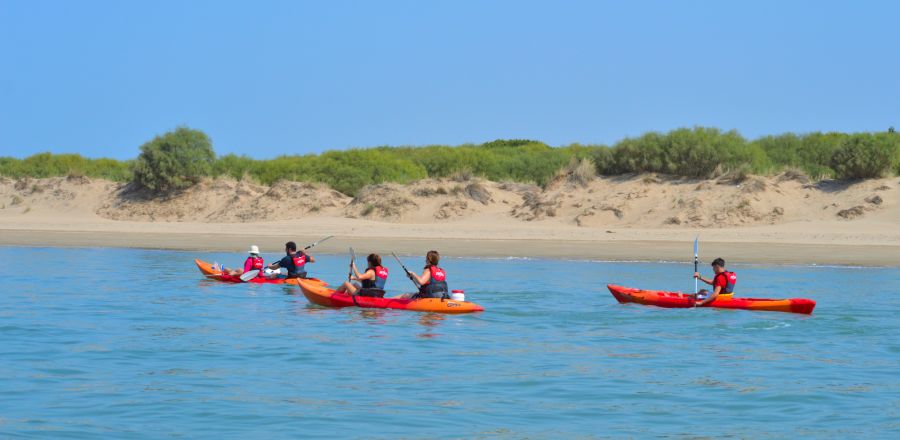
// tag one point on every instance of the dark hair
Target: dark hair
(432, 258)
(374, 260)
(291, 246)
(718, 262)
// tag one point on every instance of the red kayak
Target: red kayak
(321, 294)
(216, 274)
(678, 300)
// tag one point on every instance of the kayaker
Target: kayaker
(253, 262)
(723, 283)
(371, 282)
(433, 280)
(295, 261)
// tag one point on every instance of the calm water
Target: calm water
(107, 343)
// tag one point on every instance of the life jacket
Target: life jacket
(256, 263)
(299, 260)
(437, 286)
(381, 274)
(730, 281)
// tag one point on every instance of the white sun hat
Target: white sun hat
(254, 249)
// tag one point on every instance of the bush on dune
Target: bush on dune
(865, 156)
(699, 152)
(174, 160)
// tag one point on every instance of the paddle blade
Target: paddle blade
(247, 276)
(696, 247)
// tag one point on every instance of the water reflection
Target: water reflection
(430, 322)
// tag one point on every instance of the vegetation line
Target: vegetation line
(179, 158)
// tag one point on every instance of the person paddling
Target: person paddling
(723, 283)
(433, 281)
(253, 262)
(295, 261)
(371, 282)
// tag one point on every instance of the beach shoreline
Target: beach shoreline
(635, 219)
(601, 250)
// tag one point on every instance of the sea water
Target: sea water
(133, 344)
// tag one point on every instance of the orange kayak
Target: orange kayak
(215, 274)
(686, 300)
(322, 295)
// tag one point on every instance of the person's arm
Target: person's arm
(248, 265)
(368, 275)
(277, 265)
(422, 279)
(697, 276)
(310, 258)
(711, 297)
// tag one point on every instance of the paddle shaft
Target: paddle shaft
(696, 264)
(352, 260)
(696, 283)
(316, 243)
(408, 273)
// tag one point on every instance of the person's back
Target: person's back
(434, 280)
(295, 261)
(371, 281)
(381, 274)
(254, 262)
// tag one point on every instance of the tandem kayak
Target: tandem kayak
(680, 300)
(322, 295)
(216, 274)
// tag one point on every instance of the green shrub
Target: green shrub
(174, 160)
(864, 156)
(180, 158)
(53, 165)
(697, 152)
(810, 152)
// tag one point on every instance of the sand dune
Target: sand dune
(647, 217)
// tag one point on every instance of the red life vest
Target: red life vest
(381, 274)
(729, 278)
(437, 273)
(436, 287)
(254, 263)
(299, 260)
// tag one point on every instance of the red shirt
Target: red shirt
(722, 280)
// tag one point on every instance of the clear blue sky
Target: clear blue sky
(268, 78)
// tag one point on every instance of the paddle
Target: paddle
(352, 260)
(408, 273)
(696, 262)
(316, 243)
(249, 275)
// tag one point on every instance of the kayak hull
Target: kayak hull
(678, 300)
(321, 294)
(207, 270)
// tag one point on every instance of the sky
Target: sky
(267, 78)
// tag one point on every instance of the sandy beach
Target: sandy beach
(638, 219)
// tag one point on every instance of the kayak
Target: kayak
(680, 300)
(216, 274)
(322, 295)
